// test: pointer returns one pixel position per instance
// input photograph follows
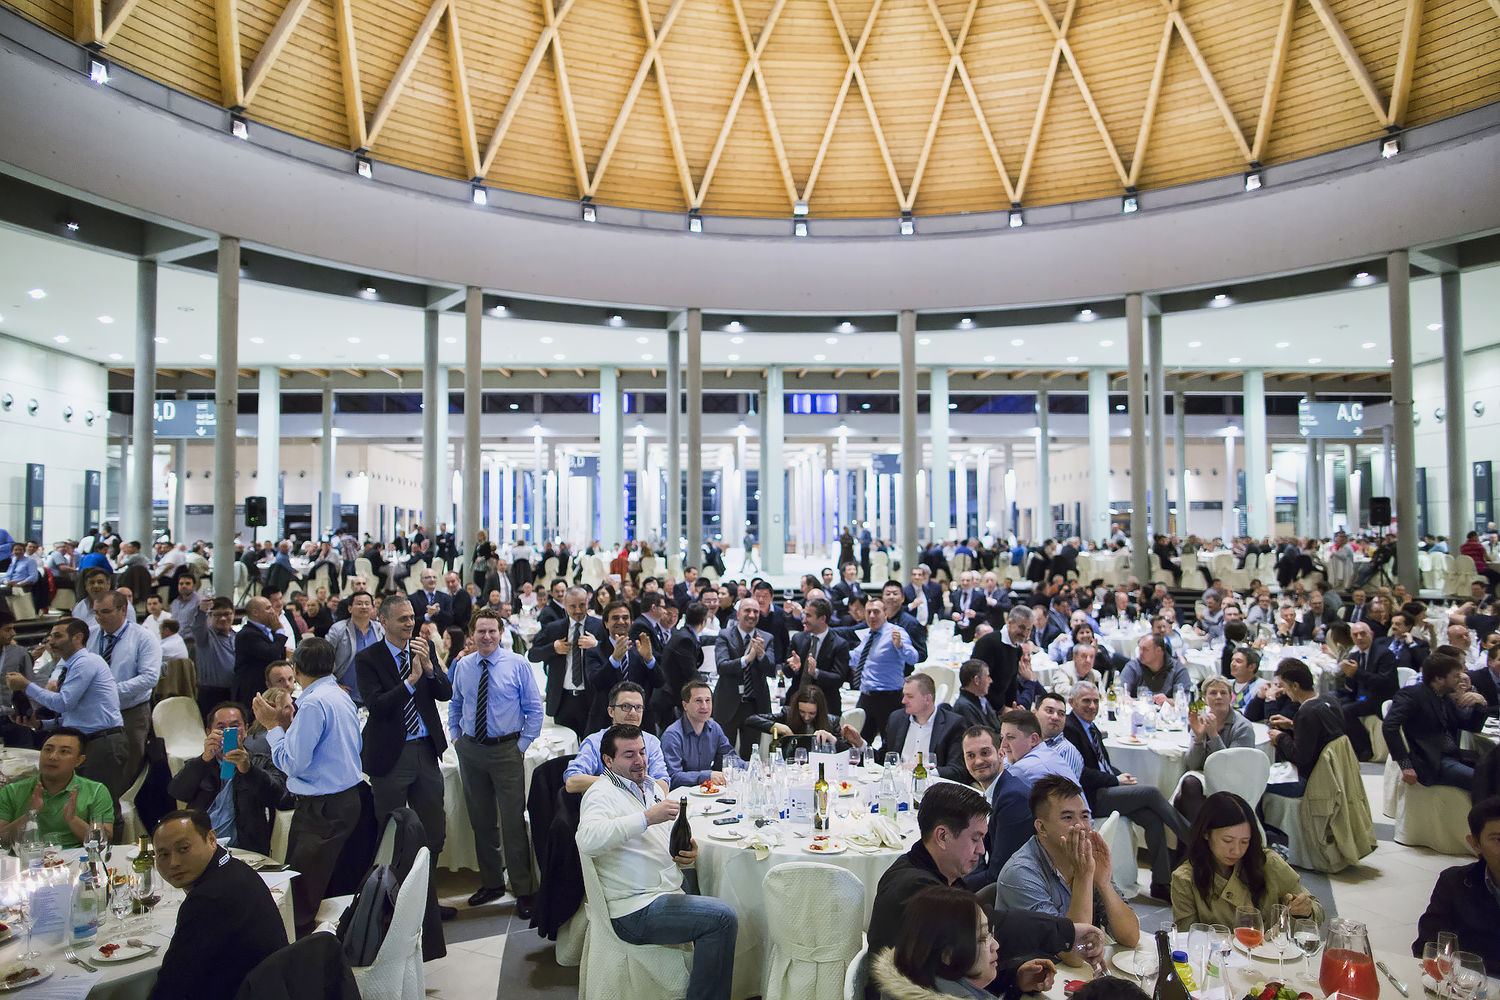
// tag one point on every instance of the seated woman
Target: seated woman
(1244, 673)
(1337, 641)
(948, 950)
(1217, 728)
(804, 722)
(1228, 866)
(1060, 647)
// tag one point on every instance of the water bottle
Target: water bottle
(87, 906)
(1135, 720)
(886, 797)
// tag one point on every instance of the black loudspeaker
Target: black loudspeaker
(1380, 512)
(255, 512)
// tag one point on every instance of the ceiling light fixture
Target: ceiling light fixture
(1315, 361)
(1016, 219)
(515, 406)
(1369, 346)
(734, 357)
(989, 359)
(205, 357)
(589, 212)
(736, 340)
(477, 193)
(643, 340)
(908, 224)
(295, 357)
(545, 340)
(1106, 343)
(1072, 359)
(1220, 300)
(799, 228)
(1364, 278)
(1087, 315)
(695, 221)
(1283, 344)
(1434, 327)
(734, 326)
(617, 320)
(238, 126)
(364, 168)
(1195, 343)
(846, 327)
(1253, 179)
(967, 323)
(646, 357)
(1390, 147)
(115, 357)
(61, 339)
(71, 224)
(830, 340)
(450, 340)
(37, 293)
(98, 71)
(353, 340)
(799, 208)
(559, 357)
(1131, 203)
(257, 340)
(106, 320)
(820, 357)
(1017, 342)
(1234, 361)
(161, 340)
(925, 341)
(368, 291)
(382, 357)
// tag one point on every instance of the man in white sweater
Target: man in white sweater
(624, 825)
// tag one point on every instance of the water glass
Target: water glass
(801, 757)
(1308, 936)
(1219, 938)
(893, 760)
(1199, 944)
(1467, 979)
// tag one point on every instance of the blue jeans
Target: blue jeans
(1455, 772)
(677, 918)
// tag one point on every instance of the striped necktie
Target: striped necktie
(482, 703)
(413, 721)
(108, 650)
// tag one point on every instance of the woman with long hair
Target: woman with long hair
(1229, 866)
(806, 715)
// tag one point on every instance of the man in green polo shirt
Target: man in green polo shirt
(65, 804)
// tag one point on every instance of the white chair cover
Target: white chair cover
(854, 978)
(366, 569)
(414, 580)
(854, 717)
(1406, 676)
(22, 606)
(549, 569)
(177, 722)
(812, 941)
(593, 571)
(945, 679)
(396, 973)
(241, 584)
(1427, 815)
(880, 567)
(129, 824)
(1241, 770)
(570, 936)
(614, 970)
(1124, 873)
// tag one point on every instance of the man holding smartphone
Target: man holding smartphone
(242, 804)
(402, 681)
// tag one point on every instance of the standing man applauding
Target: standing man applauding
(403, 739)
(319, 754)
(562, 645)
(882, 658)
(495, 714)
(133, 653)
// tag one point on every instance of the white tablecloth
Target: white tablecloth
(734, 874)
(1160, 759)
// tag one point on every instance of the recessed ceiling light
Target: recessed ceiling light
(846, 327)
(257, 340)
(500, 309)
(515, 406)
(967, 323)
(1087, 315)
(106, 320)
(295, 357)
(831, 340)
(1106, 343)
(1434, 327)
(1195, 343)
(205, 357)
(37, 293)
(60, 339)
(734, 357)
(382, 357)
(161, 340)
(643, 340)
(546, 340)
(734, 326)
(115, 357)
(617, 320)
(736, 340)
(1369, 347)
(353, 340)
(1283, 344)
(820, 357)
(1072, 359)
(1220, 301)
(450, 340)
(1017, 342)
(1119, 407)
(647, 357)
(925, 341)
(989, 358)
(1234, 361)
(559, 357)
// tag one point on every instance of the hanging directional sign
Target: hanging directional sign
(886, 465)
(1335, 420)
(185, 418)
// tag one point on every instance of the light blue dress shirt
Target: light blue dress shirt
(320, 753)
(1040, 762)
(221, 814)
(693, 757)
(513, 704)
(22, 570)
(590, 761)
(87, 699)
(396, 653)
(1069, 753)
(135, 662)
(885, 670)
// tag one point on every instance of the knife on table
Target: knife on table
(1400, 986)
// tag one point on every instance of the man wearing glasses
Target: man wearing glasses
(626, 704)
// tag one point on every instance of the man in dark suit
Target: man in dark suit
(1486, 680)
(625, 655)
(931, 592)
(447, 545)
(922, 726)
(1356, 610)
(1001, 650)
(972, 705)
(401, 680)
(843, 592)
(680, 662)
(652, 621)
(431, 604)
(257, 644)
(1011, 824)
(1406, 650)
(1369, 681)
(1057, 620)
(687, 591)
(894, 599)
(554, 609)
(459, 599)
(562, 646)
(819, 655)
(967, 605)
(744, 658)
(779, 622)
(1424, 721)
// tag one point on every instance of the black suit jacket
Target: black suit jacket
(1420, 724)
(463, 608)
(1375, 678)
(1004, 661)
(382, 684)
(1484, 683)
(975, 711)
(1413, 652)
(602, 674)
(729, 649)
(1095, 775)
(1462, 902)
(680, 662)
(253, 650)
(682, 595)
(833, 665)
(841, 594)
(945, 747)
(442, 615)
(541, 651)
(1011, 826)
(977, 604)
(257, 793)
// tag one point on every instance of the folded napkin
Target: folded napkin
(875, 833)
(761, 840)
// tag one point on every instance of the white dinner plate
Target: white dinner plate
(43, 972)
(827, 847)
(714, 810)
(707, 795)
(725, 833)
(125, 953)
(1268, 950)
(1125, 961)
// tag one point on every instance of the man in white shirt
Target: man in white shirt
(624, 829)
(173, 647)
(155, 614)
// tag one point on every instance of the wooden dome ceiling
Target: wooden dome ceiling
(857, 107)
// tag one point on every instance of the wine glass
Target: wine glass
(1467, 979)
(893, 760)
(1447, 947)
(1249, 928)
(1279, 933)
(1308, 937)
(1199, 945)
(15, 896)
(801, 757)
(1146, 963)
(1219, 937)
(120, 900)
(1432, 965)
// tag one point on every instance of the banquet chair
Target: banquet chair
(1374, 727)
(1085, 564)
(22, 606)
(1405, 676)
(810, 945)
(64, 599)
(1465, 571)
(130, 826)
(945, 679)
(440, 567)
(414, 578)
(396, 973)
(1329, 828)
(854, 978)
(365, 569)
(612, 969)
(1241, 770)
(1426, 815)
(854, 717)
(880, 567)
(549, 569)
(1124, 873)
(177, 722)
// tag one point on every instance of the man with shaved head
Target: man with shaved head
(256, 645)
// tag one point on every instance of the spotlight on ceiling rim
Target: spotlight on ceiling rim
(695, 221)
(363, 167)
(799, 228)
(98, 71)
(1131, 202)
(1017, 220)
(478, 193)
(587, 209)
(238, 126)
(1253, 180)
(908, 224)
(1390, 147)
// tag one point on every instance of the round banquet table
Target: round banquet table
(133, 980)
(17, 763)
(1161, 758)
(734, 874)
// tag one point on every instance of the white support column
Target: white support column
(1041, 521)
(138, 514)
(467, 532)
(843, 488)
(497, 527)
(982, 470)
(538, 488)
(1179, 442)
(227, 410)
(268, 450)
(772, 465)
(1098, 526)
(434, 400)
(911, 449)
(328, 518)
(1231, 492)
(1007, 490)
(444, 510)
(961, 495)
(1259, 515)
(611, 478)
(940, 525)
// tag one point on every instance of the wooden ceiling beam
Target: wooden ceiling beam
(1329, 377)
(88, 22)
(1153, 96)
(843, 94)
(354, 102)
(1272, 92)
(231, 77)
(1351, 59)
(523, 83)
(408, 65)
(954, 59)
(115, 13)
(1033, 141)
(1214, 90)
(467, 139)
(1223, 376)
(1406, 62)
(565, 101)
(858, 73)
(275, 42)
(202, 372)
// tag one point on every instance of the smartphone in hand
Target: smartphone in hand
(231, 742)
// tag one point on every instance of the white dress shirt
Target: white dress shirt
(918, 740)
